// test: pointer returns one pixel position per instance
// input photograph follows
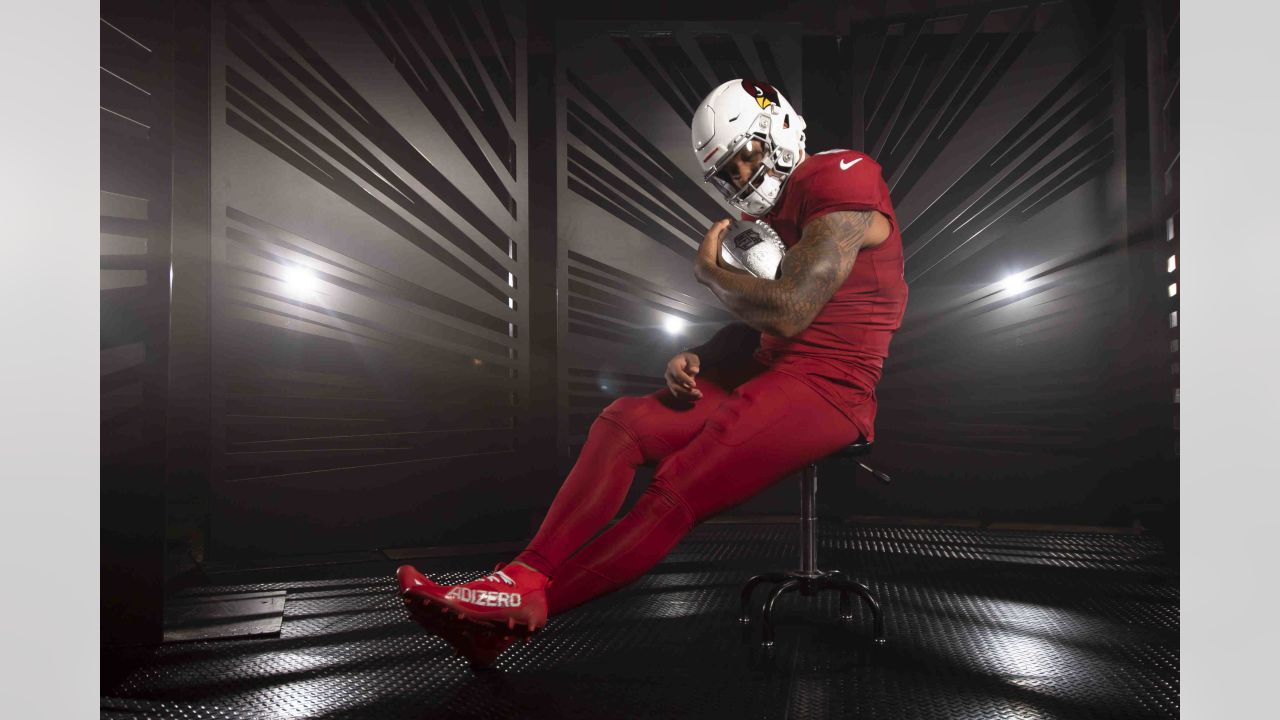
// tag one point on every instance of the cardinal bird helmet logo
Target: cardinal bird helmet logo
(763, 93)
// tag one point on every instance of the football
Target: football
(752, 247)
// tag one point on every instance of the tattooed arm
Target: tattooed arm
(811, 271)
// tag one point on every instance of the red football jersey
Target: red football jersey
(842, 352)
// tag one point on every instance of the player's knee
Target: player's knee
(662, 501)
(636, 416)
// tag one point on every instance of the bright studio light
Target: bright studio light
(1014, 283)
(301, 281)
(673, 325)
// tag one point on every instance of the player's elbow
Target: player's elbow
(789, 328)
(773, 326)
(797, 323)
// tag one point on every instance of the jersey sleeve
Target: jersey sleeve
(842, 186)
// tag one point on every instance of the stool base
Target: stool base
(809, 584)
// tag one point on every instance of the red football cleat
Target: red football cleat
(479, 643)
(410, 580)
(514, 597)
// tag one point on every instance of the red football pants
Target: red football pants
(751, 427)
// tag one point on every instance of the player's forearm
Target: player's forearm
(760, 303)
(732, 340)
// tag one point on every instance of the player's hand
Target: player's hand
(680, 374)
(709, 250)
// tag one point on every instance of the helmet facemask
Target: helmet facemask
(757, 194)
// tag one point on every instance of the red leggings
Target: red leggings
(751, 427)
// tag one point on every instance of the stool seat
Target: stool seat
(860, 448)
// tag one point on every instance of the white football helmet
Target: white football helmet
(734, 114)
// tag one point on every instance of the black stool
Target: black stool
(809, 579)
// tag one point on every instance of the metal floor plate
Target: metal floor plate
(223, 616)
(981, 624)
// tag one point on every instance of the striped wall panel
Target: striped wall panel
(134, 224)
(1163, 30)
(136, 111)
(370, 300)
(1006, 393)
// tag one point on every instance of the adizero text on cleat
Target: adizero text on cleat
(507, 598)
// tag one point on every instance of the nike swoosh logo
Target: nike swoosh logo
(843, 166)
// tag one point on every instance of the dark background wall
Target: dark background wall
(370, 269)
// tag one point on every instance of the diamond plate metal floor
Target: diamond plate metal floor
(981, 624)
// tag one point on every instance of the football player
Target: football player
(792, 382)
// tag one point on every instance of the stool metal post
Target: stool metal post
(808, 520)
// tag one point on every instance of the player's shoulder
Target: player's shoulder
(839, 160)
(829, 163)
